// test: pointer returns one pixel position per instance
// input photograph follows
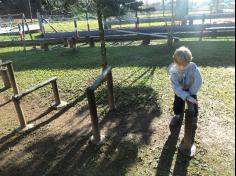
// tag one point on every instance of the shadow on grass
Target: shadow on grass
(167, 157)
(206, 53)
(127, 129)
(168, 152)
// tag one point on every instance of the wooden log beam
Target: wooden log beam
(3, 64)
(121, 38)
(146, 34)
(34, 88)
(100, 79)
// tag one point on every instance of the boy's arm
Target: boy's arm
(198, 81)
(178, 88)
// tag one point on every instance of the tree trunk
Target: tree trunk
(102, 34)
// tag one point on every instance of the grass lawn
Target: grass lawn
(139, 141)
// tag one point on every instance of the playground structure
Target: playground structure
(16, 27)
(57, 19)
(203, 28)
(16, 24)
(106, 75)
(7, 73)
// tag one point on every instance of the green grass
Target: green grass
(140, 78)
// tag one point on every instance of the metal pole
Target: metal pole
(94, 117)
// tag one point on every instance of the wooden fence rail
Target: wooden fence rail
(16, 100)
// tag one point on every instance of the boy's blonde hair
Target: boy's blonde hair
(182, 56)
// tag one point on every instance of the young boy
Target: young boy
(186, 81)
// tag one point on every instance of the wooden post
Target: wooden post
(72, 43)
(66, 42)
(91, 42)
(12, 78)
(110, 91)
(146, 41)
(45, 47)
(5, 78)
(187, 147)
(56, 93)
(94, 117)
(19, 112)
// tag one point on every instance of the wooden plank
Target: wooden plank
(146, 34)
(100, 79)
(34, 88)
(3, 64)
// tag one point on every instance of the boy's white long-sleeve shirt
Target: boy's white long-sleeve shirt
(191, 80)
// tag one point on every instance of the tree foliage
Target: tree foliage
(109, 7)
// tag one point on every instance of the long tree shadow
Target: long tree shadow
(168, 152)
(181, 165)
(127, 129)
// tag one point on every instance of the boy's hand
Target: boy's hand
(192, 100)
